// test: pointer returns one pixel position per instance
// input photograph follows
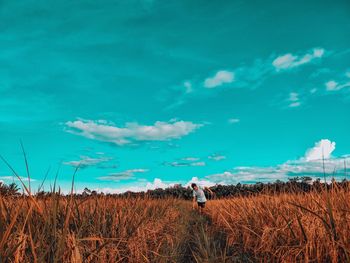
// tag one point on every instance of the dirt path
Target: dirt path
(204, 243)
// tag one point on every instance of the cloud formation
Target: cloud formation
(289, 60)
(308, 165)
(132, 132)
(125, 175)
(294, 100)
(191, 159)
(311, 164)
(340, 84)
(221, 77)
(245, 76)
(322, 150)
(155, 184)
(188, 87)
(233, 120)
(186, 164)
(217, 157)
(7, 179)
(332, 85)
(284, 171)
(86, 161)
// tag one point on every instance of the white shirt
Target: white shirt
(199, 194)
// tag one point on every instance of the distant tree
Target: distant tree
(9, 190)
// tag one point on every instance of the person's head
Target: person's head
(194, 186)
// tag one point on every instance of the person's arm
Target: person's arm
(209, 190)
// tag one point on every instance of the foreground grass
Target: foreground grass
(310, 227)
(97, 229)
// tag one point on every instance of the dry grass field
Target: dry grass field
(310, 227)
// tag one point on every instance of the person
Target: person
(199, 196)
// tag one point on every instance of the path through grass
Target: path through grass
(206, 243)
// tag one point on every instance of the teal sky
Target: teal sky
(146, 93)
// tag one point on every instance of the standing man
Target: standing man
(199, 196)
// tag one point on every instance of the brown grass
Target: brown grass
(101, 229)
(310, 227)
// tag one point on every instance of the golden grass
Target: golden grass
(100, 229)
(310, 227)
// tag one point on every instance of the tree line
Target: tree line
(293, 185)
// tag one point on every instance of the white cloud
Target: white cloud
(132, 132)
(294, 104)
(125, 175)
(217, 157)
(289, 60)
(313, 91)
(140, 187)
(294, 99)
(332, 85)
(220, 78)
(198, 164)
(309, 165)
(284, 171)
(7, 178)
(246, 175)
(190, 159)
(188, 86)
(186, 164)
(137, 171)
(246, 76)
(86, 161)
(293, 96)
(200, 182)
(322, 149)
(233, 120)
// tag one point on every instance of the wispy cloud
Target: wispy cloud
(131, 132)
(7, 178)
(217, 157)
(191, 159)
(188, 87)
(233, 120)
(333, 85)
(289, 60)
(339, 82)
(221, 77)
(185, 164)
(294, 100)
(86, 161)
(313, 90)
(308, 165)
(245, 76)
(125, 175)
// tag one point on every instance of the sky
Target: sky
(143, 94)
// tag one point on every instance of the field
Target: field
(285, 227)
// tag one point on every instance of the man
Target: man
(199, 196)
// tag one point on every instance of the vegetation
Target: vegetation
(295, 221)
(289, 227)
